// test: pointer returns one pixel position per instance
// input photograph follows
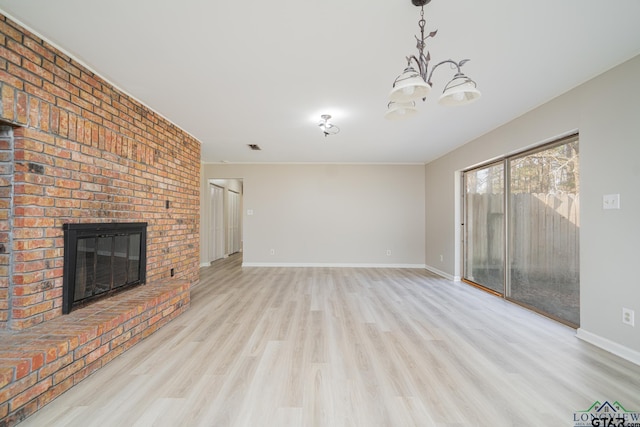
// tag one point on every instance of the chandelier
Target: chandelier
(413, 84)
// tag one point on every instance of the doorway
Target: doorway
(224, 228)
(216, 229)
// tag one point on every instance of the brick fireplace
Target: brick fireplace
(74, 149)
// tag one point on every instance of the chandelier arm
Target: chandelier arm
(448, 61)
(421, 62)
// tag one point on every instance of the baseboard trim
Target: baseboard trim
(329, 264)
(442, 273)
(610, 346)
(205, 264)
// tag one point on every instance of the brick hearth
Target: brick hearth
(39, 364)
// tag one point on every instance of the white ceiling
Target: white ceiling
(234, 73)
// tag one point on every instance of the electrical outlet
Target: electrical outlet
(272, 251)
(628, 317)
(388, 252)
(441, 258)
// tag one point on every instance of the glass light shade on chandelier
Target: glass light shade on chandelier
(461, 90)
(401, 110)
(409, 86)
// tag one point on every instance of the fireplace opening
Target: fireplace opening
(102, 259)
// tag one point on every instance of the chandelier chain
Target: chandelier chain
(421, 23)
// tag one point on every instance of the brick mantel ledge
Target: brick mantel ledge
(40, 363)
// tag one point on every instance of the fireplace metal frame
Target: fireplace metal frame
(73, 232)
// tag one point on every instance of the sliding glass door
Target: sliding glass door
(539, 237)
(544, 231)
(484, 227)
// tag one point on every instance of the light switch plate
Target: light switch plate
(611, 201)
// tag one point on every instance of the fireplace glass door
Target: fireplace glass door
(102, 260)
(104, 263)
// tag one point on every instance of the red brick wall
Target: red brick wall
(6, 171)
(85, 152)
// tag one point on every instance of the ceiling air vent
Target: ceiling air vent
(255, 147)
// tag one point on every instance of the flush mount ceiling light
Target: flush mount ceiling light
(415, 81)
(326, 127)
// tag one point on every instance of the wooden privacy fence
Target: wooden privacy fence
(544, 234)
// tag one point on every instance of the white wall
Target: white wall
(606, 112)
(333, 214)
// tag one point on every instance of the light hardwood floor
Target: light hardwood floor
(347, 347)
